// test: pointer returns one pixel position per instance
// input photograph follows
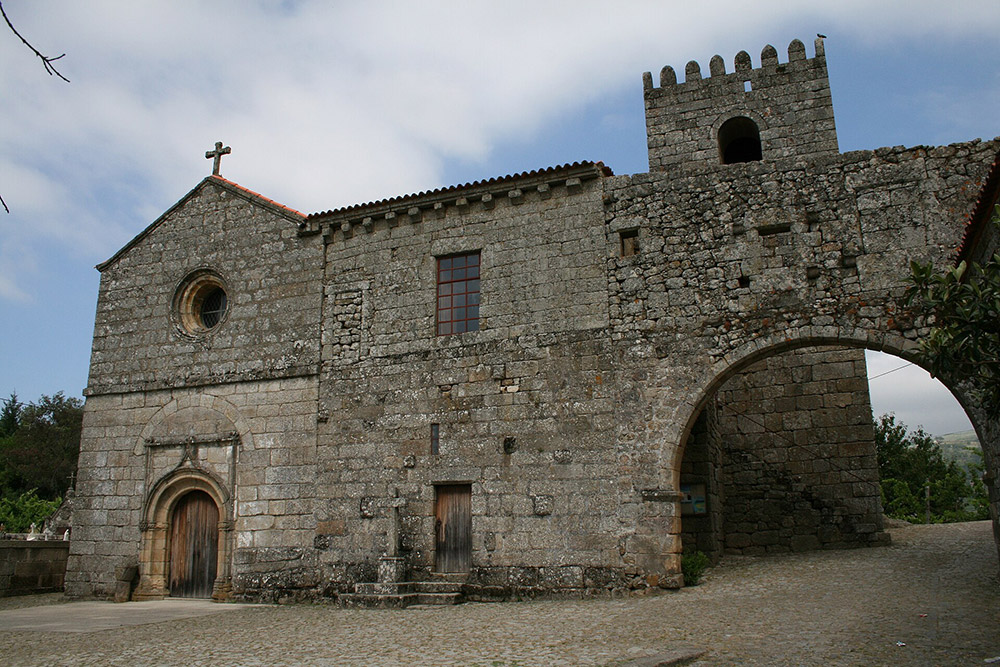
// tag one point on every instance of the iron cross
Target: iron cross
(217, 154)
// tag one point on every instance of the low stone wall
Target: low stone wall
(28, 567)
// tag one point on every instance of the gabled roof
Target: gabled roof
(981, 213)
(584, 168)
(219, 181)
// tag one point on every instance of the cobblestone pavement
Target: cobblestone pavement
(936, 590)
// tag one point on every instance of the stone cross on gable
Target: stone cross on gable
(217, 154)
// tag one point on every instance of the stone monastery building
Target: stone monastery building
(550, 382)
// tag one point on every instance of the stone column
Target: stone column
(152, 563)
(392, 567)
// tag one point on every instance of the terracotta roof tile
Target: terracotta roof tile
(981, 213)
(258, 195)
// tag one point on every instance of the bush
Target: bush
(17, 513)
(693, 566)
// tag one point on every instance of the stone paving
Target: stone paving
(935, 590)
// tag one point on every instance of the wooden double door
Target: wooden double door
(194, 546)
(453, 528)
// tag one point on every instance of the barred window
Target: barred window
(458, 294)
(200, 302)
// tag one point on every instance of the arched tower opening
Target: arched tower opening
(739, 141)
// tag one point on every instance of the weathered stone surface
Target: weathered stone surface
(626, 344)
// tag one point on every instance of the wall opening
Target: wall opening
(788, 454)
(739, 141)
(931, 460)
(782, 458)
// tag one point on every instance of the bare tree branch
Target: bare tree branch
(46, 60)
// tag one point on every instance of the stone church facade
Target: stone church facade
(550, 382)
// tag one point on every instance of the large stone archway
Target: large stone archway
(747, 261)
(687, 416)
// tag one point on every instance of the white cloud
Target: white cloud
(330, 104)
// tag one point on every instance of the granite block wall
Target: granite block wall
(30, 567)
(614, 311)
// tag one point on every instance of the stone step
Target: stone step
(444, 590)
(408, 587)
(457, 577)
(440, 598)
(401, 588)
(378, 601)
(398, 601)
(436, 586)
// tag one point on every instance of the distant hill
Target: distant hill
(962, 447)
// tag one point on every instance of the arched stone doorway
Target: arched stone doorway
(186, 538)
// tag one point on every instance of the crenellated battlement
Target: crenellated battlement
(742, 64)
(777, 110)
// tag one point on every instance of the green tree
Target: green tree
(962, 305)
(42, 452)
(10, 415)
(10, 421)
(909, 462)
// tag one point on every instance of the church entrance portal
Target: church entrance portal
(194, 546)
(453, 528)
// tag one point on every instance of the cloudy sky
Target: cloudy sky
(328, 104)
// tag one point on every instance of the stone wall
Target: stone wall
(271, 276)
(701, 469)
(525, 406)
(257, 439)
(28, 567)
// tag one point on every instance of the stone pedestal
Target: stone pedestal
(222, 590)
(392, 571)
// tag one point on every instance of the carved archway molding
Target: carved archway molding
(190, 474)
(154, 559)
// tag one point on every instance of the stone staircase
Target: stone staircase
(442, 589)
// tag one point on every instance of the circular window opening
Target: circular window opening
(213, 307)
(201, 302)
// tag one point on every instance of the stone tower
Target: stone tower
(780, 110)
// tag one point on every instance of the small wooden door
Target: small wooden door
(453, 527)
(194, 546)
